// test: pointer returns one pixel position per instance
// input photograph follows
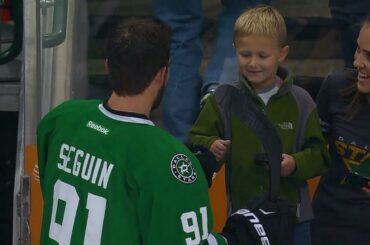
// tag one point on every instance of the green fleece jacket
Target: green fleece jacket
(293, 114)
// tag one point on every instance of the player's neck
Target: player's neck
(137, 104)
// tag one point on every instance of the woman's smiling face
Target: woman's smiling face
(362, 60)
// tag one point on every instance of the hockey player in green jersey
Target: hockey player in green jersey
(109, 176)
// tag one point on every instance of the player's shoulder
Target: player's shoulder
(165, 140)
(72, 106)
(160, 143)
(183, 169)
(66, 111)
(174, 162)
(77, 104)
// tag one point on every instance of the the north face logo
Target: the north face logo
(286, 125)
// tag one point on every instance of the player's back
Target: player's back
(108, 178)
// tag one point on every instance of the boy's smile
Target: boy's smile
(258, 58)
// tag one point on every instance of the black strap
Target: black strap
(232, 101)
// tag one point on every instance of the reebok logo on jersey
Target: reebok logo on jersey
(97, 127)
(286, 125)
(182, 169)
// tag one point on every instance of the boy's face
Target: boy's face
(362, 60)
(258, 59)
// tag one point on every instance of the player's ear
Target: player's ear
(283, 53)
(166, 72)
(162, 74)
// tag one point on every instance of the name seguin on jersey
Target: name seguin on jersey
(84, 165)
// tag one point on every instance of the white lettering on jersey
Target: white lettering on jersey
(61, 231)
(64, 156)
(104, 174)
(256, 223)
(190, 225)
(76, 163)
(84, 165)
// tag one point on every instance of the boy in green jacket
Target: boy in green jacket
(260, 44)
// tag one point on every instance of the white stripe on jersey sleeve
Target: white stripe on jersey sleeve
(211, 239)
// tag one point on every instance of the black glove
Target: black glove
(262, 222)
(207, 160)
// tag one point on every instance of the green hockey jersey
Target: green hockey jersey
(110, 177)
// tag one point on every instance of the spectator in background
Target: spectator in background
(347, 17)
(183, 92)
(341, 205)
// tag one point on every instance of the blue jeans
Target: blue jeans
(183, 91)
(302, 234)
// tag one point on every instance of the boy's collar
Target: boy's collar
(282, 73)
(277, 83)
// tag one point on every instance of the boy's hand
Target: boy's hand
(288, 165)
(219, 147)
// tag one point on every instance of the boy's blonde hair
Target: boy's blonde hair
(263, 21)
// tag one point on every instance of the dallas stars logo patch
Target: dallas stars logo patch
(182, 169)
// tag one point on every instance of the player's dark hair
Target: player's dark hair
(136, 50)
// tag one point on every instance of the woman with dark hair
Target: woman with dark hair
(342, 200)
